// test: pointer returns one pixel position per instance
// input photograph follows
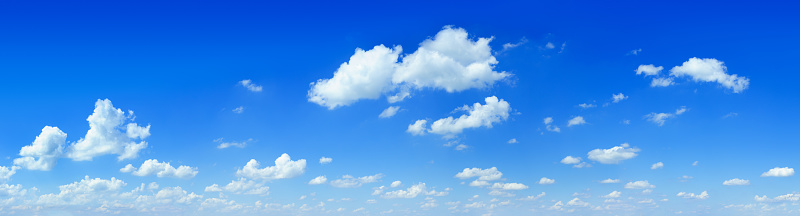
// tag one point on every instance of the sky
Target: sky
(400, 108)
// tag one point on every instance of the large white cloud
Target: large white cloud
(160, 169)
(108, 134)
(348, 181)
(779, 172)
(284, 167)
(613, 155)
(450, 61)
(479, 115)
(710, 70)
(45, 150)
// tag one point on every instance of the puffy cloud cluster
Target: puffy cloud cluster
(613, 155)
(616, 98)
(450, 61)
(548, 121)
(284, 167)
(479, 115)
(779, 172)
(484, 175)
(318, 180)
(45, 150)
(703, 195)
(348, 181)
(82, 192)
(160, 169)
(7, 172)
(699, 70)
(546, 181)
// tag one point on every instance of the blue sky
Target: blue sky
(464, 108)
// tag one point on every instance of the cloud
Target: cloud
(396, 184)
(639, 185)
(513, 141)
(241, 186)
(701, 196)
(548, 120)
(609, 181)
(613, 155)
(613, 194)
(7, 172)
(546, 181)
(787, 197)
(45, 150)
(418, 128)
(238, 110)
(160, 169)
(348, 181)
(495, 110)
(662, 82)
(389, 112)
(250, 85)
(578, 120)
(616, 98)
(413, 191)
(571, 160)
(710, 70)
(450, 61)
(318, 180)
(284, 167)
(509, 186)
(325, 160)
(108, 134)
(779, 172)
(661, 118)
(586, 106)
(223, 145)
(490, 174)
(649, 70)
(635, 52)
(83, 191)
(658, 165)
(508, 46)
(529, 198)
(736, 181)
(549, 127)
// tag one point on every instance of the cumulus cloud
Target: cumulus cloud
(546, 181)
(241, 186)
(495, 110)
(578, 120)
(318, 180)
(662, 82)
(108, 134)
(7, 172)
(658, 165)
(649, 70)
(782, 198)
(418, 128)
(250, 85)
(639, 185)
(160, 169)
(571, 160)
(284, 167)
(616, 98)
(224, 144)
(396, 184)
(513, 141)
(325, 160)
(613, 194)
(710, 70)
(413, 191)
(613, 155)
(83, 191)
(779, 172)
(449, 61)
(736, 181)
(661, 118)
(389, 112)
(348, 181)
(490, 174)
(509, 186)
(548, 120)
(701, 196)
(45, 150)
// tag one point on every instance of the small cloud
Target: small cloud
(238, 110)
(512, 141)
(250, 85)
(578, 120)
(546, 181)
(634, 52)
(616, 98)
(658, 165)
(223, 144)
(389, 112)
(730, 115)
(325, 160)
(736, 182)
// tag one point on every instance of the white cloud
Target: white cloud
(613, 155)
(348, 181)
(553, 128)
(710, 70)
(786, 197)
(577, 202)
(508, 46)
(616, 98)
(7, 172)
(238, 110)
(512, 141)
(586, 106)
(662, 82)
(613, 194)
(695, 163)
(546, 181)
(779, 172)
(509, 186)
(736, 181)
(490, 174)
(83, 191)
(649, 70)
(450, 61)
(318, 180)
(161, 169)
(461, 147)
(223, 144)
(571, 160)
(413, 191)
(389, 112)
(284, 167)
(549, 46)
(108, 134)
(241, 186)
(325, 160)
(639, 185)
(396, 184)
(250, 85)
(548, 120)
(635, 52)
(45, 150)
(418, 128)
(495, 110)
(661, 118)
(578, 120)
(701, 196)
(609, 181)
(658, 165)
(528, 198)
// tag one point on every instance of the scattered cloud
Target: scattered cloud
(318, 180)
(348, 181)
(638, 185)
(661, 118)
(736, 181)
(389, 112)
(325, 160)
(578, 120)
(546, 181)
(250, 85)
(513, 141)
(616, 98)
(613, 155)
(284, 167)
(224, 145)
(658, 165)
(609, 181)
(238, 110)
(160, 169)
(495, 110)
(634, 52)
(649, 70)
(701, 196)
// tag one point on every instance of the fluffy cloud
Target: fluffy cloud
(418, 128)
(779, 172)
(160, 169)
(348, 181)
(223, 144)
(250, 85)
(613, 194)
(639, 185)
(413, 191)
(450, 61)
(571, 160)
(325, 160)
(490, 174)
(578, 120)
(702, 196)
(548, 120)
(513, 141)
(662, 82)
(616, 98)
(318, 180)
(284, 167)
(495, 110)
(396, 184)
(781, 198)
(613, 155)
(7, 172)
(710, 70)
(45, 150)
(660, 118)
(736, 181)
(658, 165)
(83, 191)
(108, 134)
(546, 181)
(389, 112)
(509, 186)
(649, 70)
(241, 186)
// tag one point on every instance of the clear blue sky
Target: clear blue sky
(689, 107)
